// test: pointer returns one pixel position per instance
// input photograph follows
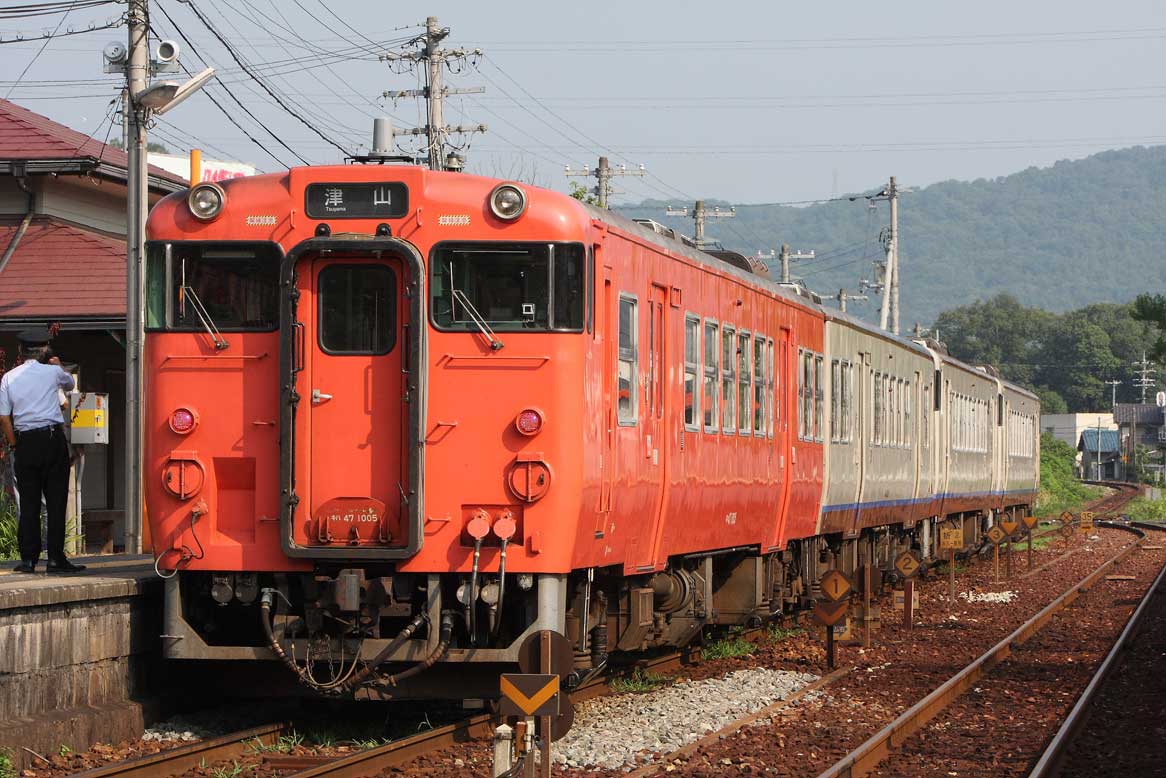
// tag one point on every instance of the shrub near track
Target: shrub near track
(1059, 488)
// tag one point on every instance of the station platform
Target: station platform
(76, 653)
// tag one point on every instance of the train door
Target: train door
(784, 412)
(607, 329)
(350, 454)
(656, 397)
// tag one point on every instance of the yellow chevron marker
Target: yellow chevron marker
(529, 695)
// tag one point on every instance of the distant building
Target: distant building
(1067, 427)
(1141, 424)
(212, 169)
(1099, 454)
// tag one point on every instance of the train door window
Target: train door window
(907, 401)
(772, 404)
(759, 395)
(691, 371)
(877, 416)
(358, 309)
(628, 359)
(728, 393)
(744, 397)
(711, 379)
(844, 383)
(924, 418)
(893, 410)
(806, 384)
(654, 390)
(819, 399)
(835, 398)
(901, 412)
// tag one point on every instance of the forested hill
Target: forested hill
(1084, 231)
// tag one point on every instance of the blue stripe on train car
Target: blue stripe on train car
(849, 506)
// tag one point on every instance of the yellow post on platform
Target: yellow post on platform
(195, 166)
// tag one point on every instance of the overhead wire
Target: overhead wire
(41, 50)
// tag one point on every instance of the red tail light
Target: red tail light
(529, 422)
(183, 420)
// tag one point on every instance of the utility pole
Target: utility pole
(889, 313)
(436, 131)
(137, 205)
(1144, 380)
(1113, 393)
(787, 256)
(603, 173)
(699, 215)
(843, 297)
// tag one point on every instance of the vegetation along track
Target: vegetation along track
(897, 736)
(174, 761)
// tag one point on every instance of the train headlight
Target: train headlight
(507, 202)
(206, 200)
(529, 421)
(183, 421)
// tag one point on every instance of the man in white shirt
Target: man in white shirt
(31, 420)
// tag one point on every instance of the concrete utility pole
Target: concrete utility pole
(1145, 378)
(889, 313)
(843, 297)
(699, 215)
(1113, 398)
(436, 131)
(137, 206)
(787, 256)
(603, 173)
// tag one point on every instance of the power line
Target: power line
(40, 51)
(235, 56)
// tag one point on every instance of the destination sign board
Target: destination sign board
(383, 200)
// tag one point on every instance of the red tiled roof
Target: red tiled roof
(61, 270)
(25, 135)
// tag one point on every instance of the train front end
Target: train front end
(364, 423)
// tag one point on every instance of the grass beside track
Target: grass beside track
(1059, 488)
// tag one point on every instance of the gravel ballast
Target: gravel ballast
(613, 732)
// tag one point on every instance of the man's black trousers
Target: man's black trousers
(42, 468)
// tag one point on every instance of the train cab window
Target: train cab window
(510, 287)
(628, 356)
(711, 377)
(691, 371)
(728, 393)
(357, 309)
(233, 287)
(759, 395)
(744, 397)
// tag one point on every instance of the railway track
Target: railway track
(868, 756)
(397, 753)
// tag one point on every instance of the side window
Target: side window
(728, 392)
(844, 400)
(744, 395)
(774, 407)
(628, 359)
(711, 379)
(877, 391)
(759, 395)
(691, 369)
(924, 418)
(806, 381)
(819, 399)
(908, 401)
(835, 398)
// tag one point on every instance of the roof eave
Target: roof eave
(82, 166)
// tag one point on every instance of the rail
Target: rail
(175, 761)
(1050, 760)
(866, 758)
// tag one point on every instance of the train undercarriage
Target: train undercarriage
(371, 633)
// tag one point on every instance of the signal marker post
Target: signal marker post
(834, 587)
(908, 565)
(996, 535)
(1030, 525)
(1009, 525)
(950, 540)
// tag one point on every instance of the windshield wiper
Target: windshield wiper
(200, 311)
(457, 296)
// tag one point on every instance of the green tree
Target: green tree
(582, 193)
(1151, 308)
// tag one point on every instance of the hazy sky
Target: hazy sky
(748, 102)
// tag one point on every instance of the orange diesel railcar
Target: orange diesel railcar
(399, 419)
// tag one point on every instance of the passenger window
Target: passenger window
(691, 368)
(711, 368)
(774, 407)
(628, 352)
(728, 394)
(806, 382)
(357, 309)
(908, 401)
(759, 386)
(819, 399)
(845, 401)
(744, 400)
(877, 390)
(835, 398)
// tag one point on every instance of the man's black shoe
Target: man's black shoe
(63, 566)
(25, 567)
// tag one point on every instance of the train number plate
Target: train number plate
(351, 521)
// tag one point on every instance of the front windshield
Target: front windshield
(509, 286)
(236, 284)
